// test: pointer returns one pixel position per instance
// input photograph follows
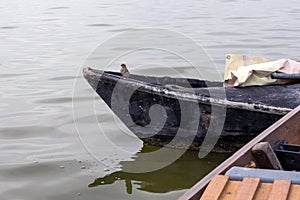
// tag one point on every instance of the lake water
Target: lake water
(43, 47)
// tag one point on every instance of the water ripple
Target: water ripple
(24, 132)
(249, 17)
(120, 30)
(62, 78)
(58, 100)
(59, 8)
(14, 75)
(101, 25)
(9, 27)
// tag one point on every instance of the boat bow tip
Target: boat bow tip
(86, 71)
(91, 77)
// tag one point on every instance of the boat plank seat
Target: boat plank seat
(247, 189)
(280, 189)
(214, 190)
(222, 188)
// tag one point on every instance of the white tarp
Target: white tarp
(243, 71)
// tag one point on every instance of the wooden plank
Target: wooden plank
(280, 190)
(230, 190)
(294, 192)
(215, 188)
(247, 189)
(286, 128)
(263, 191)
(265, 156)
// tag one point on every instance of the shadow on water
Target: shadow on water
(181, 174)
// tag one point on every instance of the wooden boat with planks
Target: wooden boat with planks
(248, 110)
(282, 142)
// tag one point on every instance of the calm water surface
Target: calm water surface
(43, 45)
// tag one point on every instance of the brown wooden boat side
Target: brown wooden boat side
(287, 128)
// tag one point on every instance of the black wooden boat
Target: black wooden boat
(284, 138)
(187, 108)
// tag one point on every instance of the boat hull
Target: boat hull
(184, 108)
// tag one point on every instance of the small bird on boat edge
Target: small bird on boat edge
(124, 71)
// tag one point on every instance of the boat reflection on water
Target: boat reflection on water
(179, 175)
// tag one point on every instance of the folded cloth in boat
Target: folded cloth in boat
(234, 61)
(243, 71)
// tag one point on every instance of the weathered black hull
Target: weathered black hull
(248, 110)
